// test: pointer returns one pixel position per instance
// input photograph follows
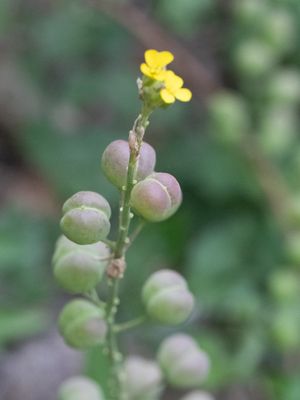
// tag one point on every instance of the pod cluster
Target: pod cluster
(81, 258)
(180, 363)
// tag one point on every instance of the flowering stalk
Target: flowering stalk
(84, 254)
(117, 267)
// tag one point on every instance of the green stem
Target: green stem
(135, 142)
(125, 326)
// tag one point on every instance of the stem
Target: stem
(136, 233)
(135, 143)
(125, 326)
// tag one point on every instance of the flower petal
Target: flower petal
(145, 69)
(167, 96)
(164, 58)
(151, 57)
(183, 94)
(173, 81)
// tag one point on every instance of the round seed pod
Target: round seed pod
(82, 324)
(80, 388)
(79, 268)
(253, 58)
(86, 218)
(157, 197)
(184, 364)
(167, 297)
(143, 379)
(115, 162)
(279, 29)
(229, 116)
(284, 87)
(293, 248)
(198, 395)
(285, 285)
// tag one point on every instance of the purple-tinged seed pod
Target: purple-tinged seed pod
(143, 378)
(198, 395)
(80, 388)
(82, 324)
(162, 279)
(115, 162)
(79, 268)
(86, 218)
(184, 364)
(167, 298)
(157, 197)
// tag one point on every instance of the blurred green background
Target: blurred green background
(68, 73)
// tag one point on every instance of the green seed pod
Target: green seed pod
(167, 297)
(157, 197)
(278, 130)
(184, 364)
(79, 268)
(80, 388)
(229, 116)
(198, 395)
(86, 218)
(143, 379)
(293, 248)
(285, 285)
(279, 30)
(115, 162)
(253, 58)
(285, 328)
(284, 87)
(82, 324)
(250, 12)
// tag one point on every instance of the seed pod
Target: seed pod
(229, 116)
(253, 58)
(285, 285)
(157, 197)
(86, 218)
(167, 297)
(79, 268)
(198, 395)
(82, 324)
(293, 248)
(80, 388)
(284, 87)
(143, 379)
(184, 364)
(115, 162)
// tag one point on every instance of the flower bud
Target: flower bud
(198, 395)
(115, 162)
(79, 268)
(143, 379)
(157, 197)
(182, 361)
(80, 388)
(86, 218)
(82, 324)
(230, 117)
(167, 297)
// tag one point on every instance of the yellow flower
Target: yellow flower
(173, 89)
(156, 62)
